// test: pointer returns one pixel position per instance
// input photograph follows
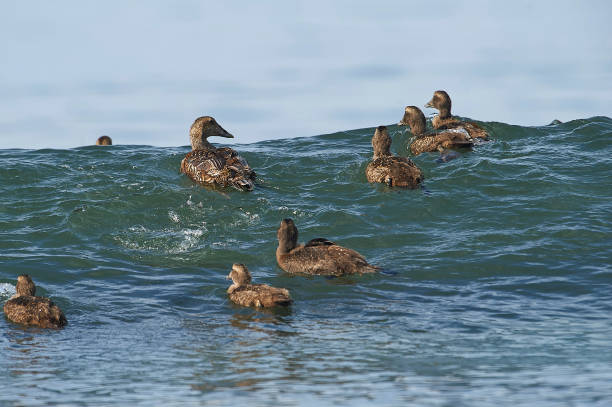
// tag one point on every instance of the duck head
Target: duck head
(239, 275)
(25, 285)
(287, 236)
(442, 102)
(202, 128)
(104, 141)
(414, 117)
(381, 142)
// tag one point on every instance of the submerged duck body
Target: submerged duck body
(434, 141)
(444, 120)
(27, 309)
(319, 256)
(242, 292)
(209, 165)
(389, 169)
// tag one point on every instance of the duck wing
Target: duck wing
(233, 159)
(323, 259)
(319, 241)
(394, 171)
(261, 295)
(35, 311)
(217, 167)
(474, 130)
(434, 141)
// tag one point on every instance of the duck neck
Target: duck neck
(445, 112)
(233, 288)
(201, 143)
(417, 127)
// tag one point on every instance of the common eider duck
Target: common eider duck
(444, 120)
(242, 292)
(392, 170)
(27, 309)
(207, 164)
(318, 256)
(428, 142)
(104, 141)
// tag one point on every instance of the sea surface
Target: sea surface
(496, 284)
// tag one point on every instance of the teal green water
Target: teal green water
(495, 285)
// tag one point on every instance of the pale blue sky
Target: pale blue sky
(141, 71)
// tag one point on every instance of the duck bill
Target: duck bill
(430, 104)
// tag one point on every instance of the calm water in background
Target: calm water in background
(496, 281)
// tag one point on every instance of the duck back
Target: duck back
(222, 167)
(394, 171)
(324, 259)
(34, 311)
(474, 130)
(436, 141)
(260, 295)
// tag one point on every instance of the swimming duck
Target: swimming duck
(444, 120)
(427, 142)
(104, 141)
(318, 256)
(242, 292)
(27, 309)
(217, 166)
(388, 169)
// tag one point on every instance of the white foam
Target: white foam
(7, 290)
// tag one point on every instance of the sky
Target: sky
(142, 71)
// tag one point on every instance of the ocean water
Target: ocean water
(495, 285)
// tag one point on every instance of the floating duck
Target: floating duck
(242, 292)
(318, 256)
(27, 309)
(104, 141)
(444, 120)
(209, 165)
(388, 169)
(428, 142)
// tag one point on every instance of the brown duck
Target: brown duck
(428, 142)
(318, 256)
(444, 120)
(388, 169)
(27, 309)
(104, 141)
(242, 292)
(209, 165)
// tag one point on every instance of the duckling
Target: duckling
(27, 309)
(318, 256)
(428, 142)
(207, 164)
(444, 120)
(242, 292)
(104, 141)
(388, 169)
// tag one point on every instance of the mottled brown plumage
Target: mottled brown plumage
(242, 292)
(27, 309)
(104, 141)
(388, 169)
(318, 256)
(432, 141)
(445, 121)
(209, 165)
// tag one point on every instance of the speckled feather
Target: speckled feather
(434, 141)
(451, 123)
(222, 167)
(260, 295)
(394, 171)
(324, 259)
(35, 311)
